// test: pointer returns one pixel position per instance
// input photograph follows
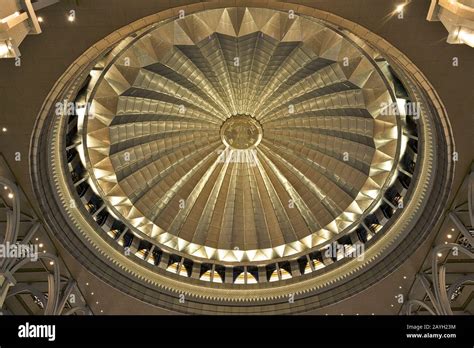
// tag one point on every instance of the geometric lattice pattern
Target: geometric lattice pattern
(153, 148)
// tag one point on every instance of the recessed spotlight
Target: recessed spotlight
(71, 18)
(399, 8)
(452, 229)
(439, 254)
(10, 195)
(373, 313)
(4, 129)
(92, 293)
(102, 311)
(404, 277)
(40, 19)
(41, 245)
(96, 302)
(87, 284)
(44, 251)
(5, 187)
(449, 236)
(391, 305)
(51, 263)
(400, 287)
(36, 238)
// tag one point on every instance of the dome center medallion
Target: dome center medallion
(241, 132)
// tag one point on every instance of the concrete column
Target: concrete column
(164, 261)
(196, 270)
(229, 275)
(262, 275)
(295, 269)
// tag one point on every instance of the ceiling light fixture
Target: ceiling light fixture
(4, 50)
(10, 195)
(399, 8)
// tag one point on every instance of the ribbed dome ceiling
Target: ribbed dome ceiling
(240, 134)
